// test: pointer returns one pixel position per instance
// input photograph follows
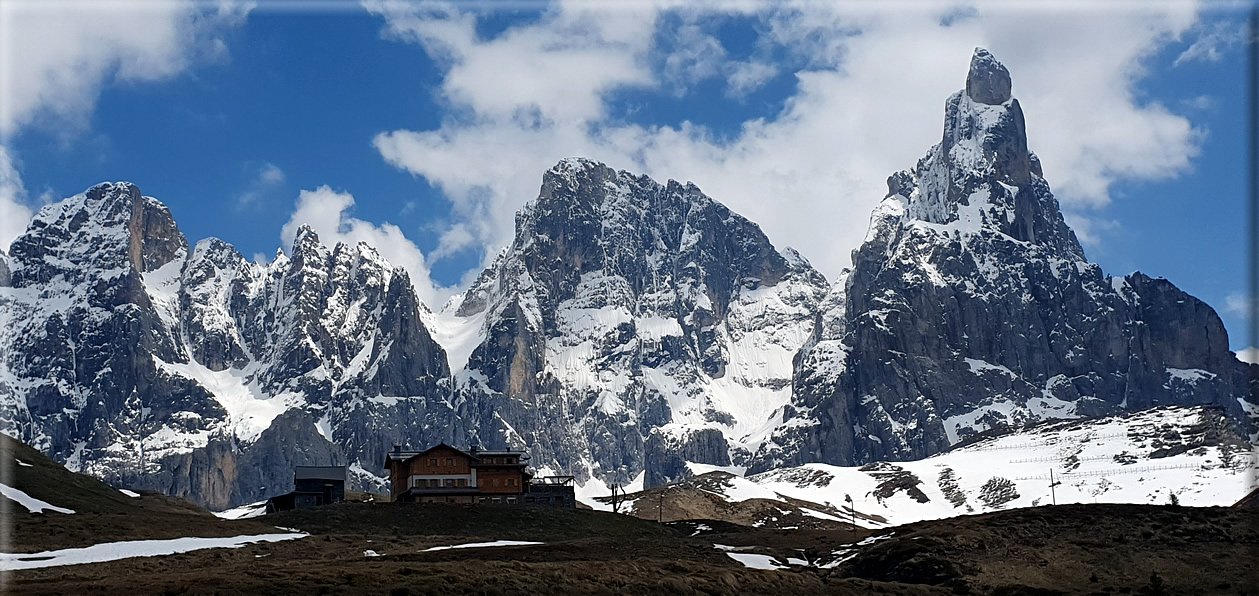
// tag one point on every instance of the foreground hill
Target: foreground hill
(45, 506)
(438, 549)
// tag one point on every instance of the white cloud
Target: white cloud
(14, 214)
(746, 77)
(327, 212)
(1213, 41)
(1249, 355)
(871, 86)
(56, 56)
(1090, 230)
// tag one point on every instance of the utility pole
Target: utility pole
(1052, 484)
(853, 510)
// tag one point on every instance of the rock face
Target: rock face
(971, 306)
(632, 332)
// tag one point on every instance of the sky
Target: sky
(422, 127)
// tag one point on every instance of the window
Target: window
(463, 482)
(432, 461)
(450, 461)
(450, 482)
(496, 482)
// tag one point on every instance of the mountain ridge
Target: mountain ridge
(631, 331)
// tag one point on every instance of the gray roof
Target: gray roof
(319, 473)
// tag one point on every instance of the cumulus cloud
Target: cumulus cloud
(14, 214)
(56, 56)
(870, 88)
(327, 212)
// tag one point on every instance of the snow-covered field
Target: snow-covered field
(112, 551)
(1141, 458)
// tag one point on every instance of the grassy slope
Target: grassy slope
(102, 513)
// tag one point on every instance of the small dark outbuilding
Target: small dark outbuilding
(312, 486)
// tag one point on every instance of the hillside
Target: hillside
(56, 508)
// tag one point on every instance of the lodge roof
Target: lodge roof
(474, 454)
(319, 473)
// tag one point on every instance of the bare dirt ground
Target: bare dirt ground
(1079, 549)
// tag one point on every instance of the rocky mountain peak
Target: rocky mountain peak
(981, 178)
(111, 226)
(988, 81)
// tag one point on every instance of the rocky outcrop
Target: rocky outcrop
(4, 269)
(668, 456)
(987, 81)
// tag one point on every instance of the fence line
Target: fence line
(1048, 441)
(1113, 471)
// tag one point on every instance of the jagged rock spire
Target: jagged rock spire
(988, 81)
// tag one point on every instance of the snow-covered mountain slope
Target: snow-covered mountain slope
(633, 326)
(135, 358)
(1142, 458)
(971, 306)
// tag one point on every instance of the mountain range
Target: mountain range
(630, 332)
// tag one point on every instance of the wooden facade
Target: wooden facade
(444, 474)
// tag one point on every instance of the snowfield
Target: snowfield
(1141, 458)
(112, 551)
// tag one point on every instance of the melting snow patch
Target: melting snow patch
(484, 544)
(30, 503)
(22, 463)
(755, 561)
(244, 511)
(873, 539)
(129, 493)
(112, 551)
(371, 553)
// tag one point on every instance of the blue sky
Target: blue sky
(440, 118)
